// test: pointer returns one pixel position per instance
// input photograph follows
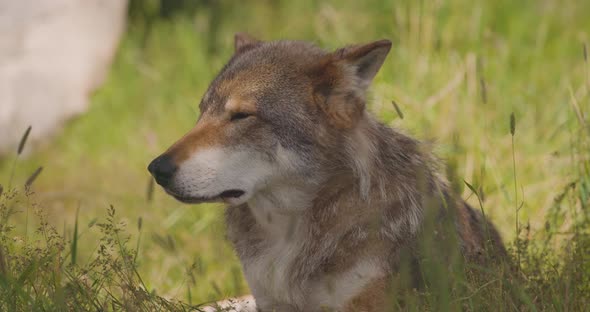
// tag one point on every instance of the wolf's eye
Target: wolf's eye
(239, 115)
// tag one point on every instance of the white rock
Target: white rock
(53, 54)
(240, 304)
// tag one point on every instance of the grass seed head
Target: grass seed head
(398, 110)
(33, 177)
(23, 140)
(484, 92)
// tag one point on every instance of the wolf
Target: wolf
(322, 199)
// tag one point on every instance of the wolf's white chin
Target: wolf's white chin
(235, 201)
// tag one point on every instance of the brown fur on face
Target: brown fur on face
(208, 132)
(342, 197)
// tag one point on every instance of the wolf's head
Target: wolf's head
(276, 112)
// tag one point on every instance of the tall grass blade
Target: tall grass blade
(483, 213)
(587, 65)
(516, 206)
(188, 294)
(512, 124)
(3, 268)
(139, 225)
(74, 248)
(150, 190)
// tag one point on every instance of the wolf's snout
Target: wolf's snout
(163, 169)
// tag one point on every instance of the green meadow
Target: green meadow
(457, 72)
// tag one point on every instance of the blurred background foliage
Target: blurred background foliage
(457, 70)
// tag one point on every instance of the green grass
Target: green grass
(458, 70)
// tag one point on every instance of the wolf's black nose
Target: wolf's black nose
(162, 168)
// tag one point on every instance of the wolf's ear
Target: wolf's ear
(243, 42)
(365, 59)
(340, 81)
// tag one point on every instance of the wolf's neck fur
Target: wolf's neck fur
(380, 159)
(361, 153)
(278, 207)
(374, 167)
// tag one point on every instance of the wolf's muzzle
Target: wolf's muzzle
(163, 169)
